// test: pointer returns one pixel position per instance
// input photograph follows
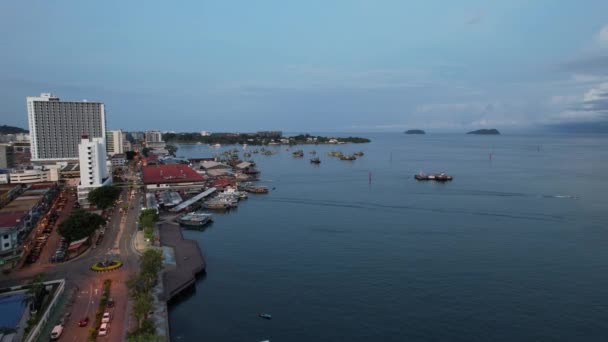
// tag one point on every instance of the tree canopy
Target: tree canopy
(80, 224)
(104, 197)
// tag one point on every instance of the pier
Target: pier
(188, 258)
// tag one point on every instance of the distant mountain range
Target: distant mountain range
(4, 129)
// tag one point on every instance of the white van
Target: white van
(56, 332)
(103, 329)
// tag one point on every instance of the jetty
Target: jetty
(185, 204)
(189, 261)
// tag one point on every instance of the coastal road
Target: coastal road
(117, 242)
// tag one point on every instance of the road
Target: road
(118, 242)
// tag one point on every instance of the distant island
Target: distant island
(415, 131)
(259, 138)
(4, 129)
(492, 131)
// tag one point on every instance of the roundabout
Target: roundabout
(108, 265)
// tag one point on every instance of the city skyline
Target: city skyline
(352, 66)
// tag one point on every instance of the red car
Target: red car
(83, 322)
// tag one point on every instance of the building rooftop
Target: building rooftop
(173, 173)
(9, 220)
(119, 156)
(212, 164)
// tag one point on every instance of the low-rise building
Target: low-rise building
(19, 217)
(119, 160)
(38, 175)
(173, 176)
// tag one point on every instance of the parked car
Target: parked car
(106, 317)
(110, 303)
(103, 329)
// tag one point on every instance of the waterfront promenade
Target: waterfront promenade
(188, 258)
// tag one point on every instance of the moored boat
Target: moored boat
(194, 220)
(439, 177)
(315, 161)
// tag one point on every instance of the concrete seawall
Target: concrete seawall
(188, 258)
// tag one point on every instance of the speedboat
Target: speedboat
(265, 315)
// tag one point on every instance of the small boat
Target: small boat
(254, 189)
(298, 154)
(216, 145)
(348, 158)
(315, 161)
(358, 154)
(195, 219)
(313, 152)
(265, 315)
(438, 177)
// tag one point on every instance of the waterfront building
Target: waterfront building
(7, 156)
(154, 136)
(93, 167)
(56, 126)
(115, 142)
(173, 176)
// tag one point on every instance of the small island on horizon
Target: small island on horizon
(492, 131)
(415, 131)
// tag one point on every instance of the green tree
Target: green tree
(80, 224)
(35, 292)
(142, 305)
(130, 155)
(104, 197)
(145, 151)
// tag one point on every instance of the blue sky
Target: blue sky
(311, 65)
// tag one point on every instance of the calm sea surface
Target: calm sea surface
(514, 249)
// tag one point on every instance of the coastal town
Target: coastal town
(91, 219)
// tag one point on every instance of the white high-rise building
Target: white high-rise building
(56, 126)
(154, 136)
(93, 167)
(115, 142)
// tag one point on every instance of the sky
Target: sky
(315, 65)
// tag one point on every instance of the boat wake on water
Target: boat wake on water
(561, 196)
(368, 205)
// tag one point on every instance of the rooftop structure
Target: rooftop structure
(173, 173)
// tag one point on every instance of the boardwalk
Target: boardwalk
(188, 257)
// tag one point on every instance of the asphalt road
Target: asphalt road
(77, 272)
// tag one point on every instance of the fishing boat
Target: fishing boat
(313, 152)
(194, 220)
(439, 177)
(298, 154)
(346, 157)
(358, 154)
(265, 315)
(315, 161)
(254, 189)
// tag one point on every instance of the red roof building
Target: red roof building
(171, 175)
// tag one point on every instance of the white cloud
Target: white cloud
(602, 36)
